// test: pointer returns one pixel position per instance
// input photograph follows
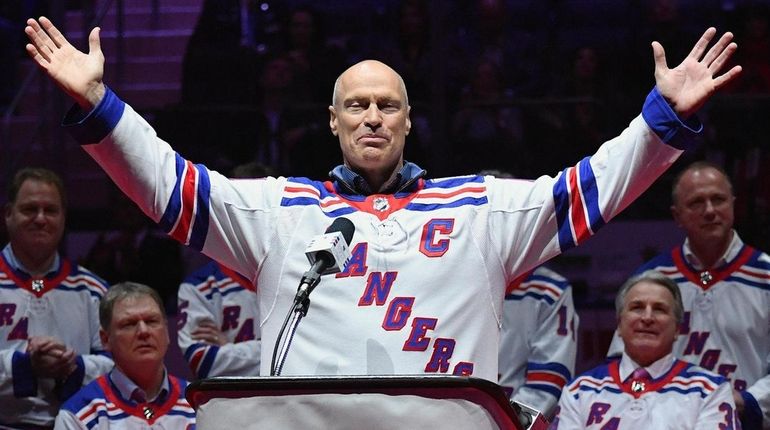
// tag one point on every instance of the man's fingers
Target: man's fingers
(94, 44)
(720, 60)
(54, 34)
(719, 48)
(702, 44)
(659, 55)
(726, 77)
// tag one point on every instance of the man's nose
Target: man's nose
(373, 117)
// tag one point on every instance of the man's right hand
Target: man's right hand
(50, 358)
(78, 74)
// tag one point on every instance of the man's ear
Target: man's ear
(408, 120)
(333, 120)
(105, 337)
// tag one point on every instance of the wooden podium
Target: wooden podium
(352, 402)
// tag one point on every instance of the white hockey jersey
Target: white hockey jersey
(423, 291)
(219, 294)
(64, 305)
(538, 339)
(685, 397)
(726, 327)
(100, 406)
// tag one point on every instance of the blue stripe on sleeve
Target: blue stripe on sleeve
(561, 204)
(666, 124)
(207, 362)
(590, 195)
(201, 222)
(92, 127)
(24, 381)
(174, 205)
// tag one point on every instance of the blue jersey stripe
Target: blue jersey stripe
(174, 205)
(590, 195)
(561, 200)
(466, 201)
(453, 182)
(207, 362)
(551, 367)
(545, 297)
(201, 221)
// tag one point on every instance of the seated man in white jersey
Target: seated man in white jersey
(538, 340)
(423, 290)
(49, 325)
(138, 392)
(725, 286)
(648, 387)
(218, 327)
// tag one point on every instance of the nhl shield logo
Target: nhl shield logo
(380, 204)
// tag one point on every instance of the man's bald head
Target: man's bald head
(366, 65)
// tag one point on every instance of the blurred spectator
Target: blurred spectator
(13, 16)
(486, 125)
(137, 251)
(753, 35)
(216, 68)
(315, 64)
(292, 134)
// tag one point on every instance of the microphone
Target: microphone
(327, 254)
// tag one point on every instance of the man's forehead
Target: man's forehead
(649, 291)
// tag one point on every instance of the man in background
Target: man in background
(648, 387)
(725, 287)
(49, 324)
(138, 392)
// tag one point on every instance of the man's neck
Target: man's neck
(709, 253)
(34, 264)
(150, 383)
(379, 180)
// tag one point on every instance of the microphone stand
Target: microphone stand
(299, 309)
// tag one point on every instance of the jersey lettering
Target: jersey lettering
(465, 368)
(398, 313)
(684, 327)
(182, 314)
(357, 264)
(20, 331)
(377, 288)
(417, 341)
(442, 352)
(428, 244)
(612, 424)
(6, 313)
(726, 369)
(728, 422)
(230, 315)
(739, 385)
(596, 415)
(246, 332)
(562, 329)
(710, 358)
(696, 342)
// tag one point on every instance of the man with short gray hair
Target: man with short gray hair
(648, 387)
(138, 392)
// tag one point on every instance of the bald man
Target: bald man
(423, 290)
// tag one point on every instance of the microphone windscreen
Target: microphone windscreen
(344, 226)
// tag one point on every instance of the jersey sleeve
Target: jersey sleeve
(757, 404)
(718, 410)
(206, 360)
(552, 352)
(194, 205)
(567, 413)
(66, 420)
(533, 221)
